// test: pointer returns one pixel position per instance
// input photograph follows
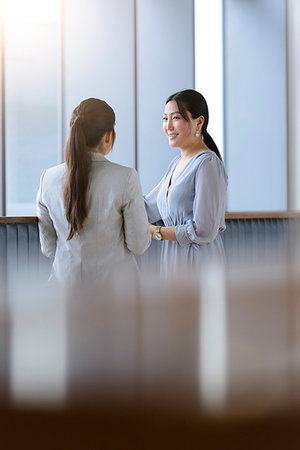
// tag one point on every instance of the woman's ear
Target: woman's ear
(108, 137)
(200, 123)
(108, 141)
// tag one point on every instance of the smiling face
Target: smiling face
(181, 133)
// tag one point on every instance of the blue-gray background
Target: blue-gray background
(134, 54)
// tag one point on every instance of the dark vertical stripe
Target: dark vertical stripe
(33, 244)
(4, 318)
(23, 247)
(12, 250)
(3, 255)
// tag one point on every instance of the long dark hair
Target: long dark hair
(195, 103)
(90, 120)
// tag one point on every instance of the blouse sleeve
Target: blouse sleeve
(47, 232)
(136, 229)
(151, 204)
(151, 198)
(208, 205)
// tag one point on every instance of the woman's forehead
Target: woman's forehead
(171, 107)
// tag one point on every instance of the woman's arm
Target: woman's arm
(208, 206)
(136, 231)
(47, 232)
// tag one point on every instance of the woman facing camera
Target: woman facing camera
(190, 198)
(91, 212)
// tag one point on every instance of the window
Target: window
(31, 98)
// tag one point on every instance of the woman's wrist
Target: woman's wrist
(157, 233)
(168, 233)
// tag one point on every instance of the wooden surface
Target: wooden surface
(93, 428)
(263, 215)
(29, 219)
(150, 369)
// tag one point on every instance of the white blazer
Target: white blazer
(115, 228)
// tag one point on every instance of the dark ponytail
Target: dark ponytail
(89, 123)
(208, 140)
(195, 103)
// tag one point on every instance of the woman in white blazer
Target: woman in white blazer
(91, 211)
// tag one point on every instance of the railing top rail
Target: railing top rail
(263, 215)
(29, 219)
(229, 215)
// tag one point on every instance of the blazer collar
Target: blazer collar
(97, 156)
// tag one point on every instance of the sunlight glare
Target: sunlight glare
(31, 10)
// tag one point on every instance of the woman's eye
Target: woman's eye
(165, 118)
(176, 117)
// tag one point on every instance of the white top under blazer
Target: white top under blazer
(116, 226)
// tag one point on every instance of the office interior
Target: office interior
(211, 359)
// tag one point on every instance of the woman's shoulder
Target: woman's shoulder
(120, 170)
(205, 155)
(54, 172)
(209, 159)
(119, 167)
(208, 155)
(120, 174)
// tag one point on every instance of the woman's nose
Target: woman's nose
(169, 125)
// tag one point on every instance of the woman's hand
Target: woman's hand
(152, 229)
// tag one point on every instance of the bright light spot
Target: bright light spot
(31, 10)
(213, 338)
(209, 63)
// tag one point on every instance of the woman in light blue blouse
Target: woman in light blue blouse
(190, 198)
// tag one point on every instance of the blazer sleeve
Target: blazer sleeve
(47, 231)
(208, 205)
(136, 229)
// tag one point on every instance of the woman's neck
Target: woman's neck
(98, 149)
(189, 152)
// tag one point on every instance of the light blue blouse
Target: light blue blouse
(195, 204)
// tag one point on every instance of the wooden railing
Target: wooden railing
(29, 219)
(263, 215)
(252, 235)
(229, 216)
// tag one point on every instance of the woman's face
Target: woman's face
(181, 133)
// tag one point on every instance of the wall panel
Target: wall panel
(165, 64)
(293, 22)
(255, 124)
(99, 62)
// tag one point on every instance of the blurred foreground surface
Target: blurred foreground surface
(212, 362)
